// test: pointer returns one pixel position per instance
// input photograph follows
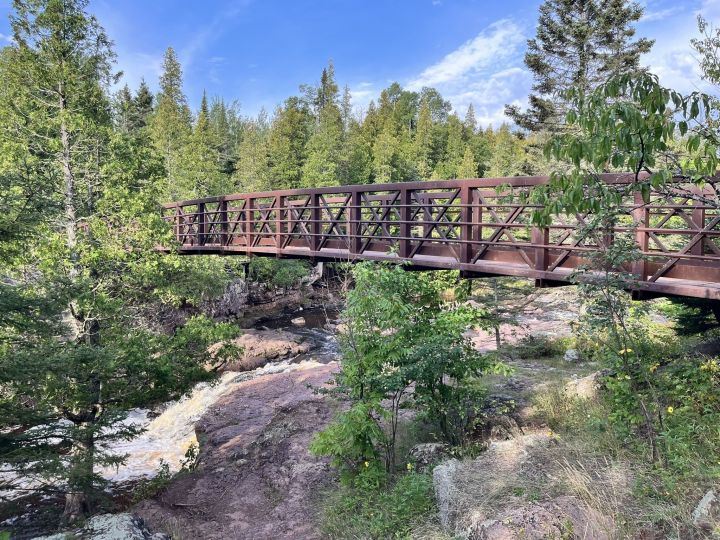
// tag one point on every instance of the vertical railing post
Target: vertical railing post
(224, 226)
(249, 223)
(404, 223)
(641, 218)
(201, 220)
(178, 223)
(540, 239)
(698, 218)
(466, 227)
(315, 225)
(354, 228)
(477, 217)
(279, 222)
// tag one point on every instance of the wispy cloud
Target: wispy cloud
(210, 32)
(485, 71)
(672, 58)
(659, 15)
(362, 94)
(6, 39)
(496, 43)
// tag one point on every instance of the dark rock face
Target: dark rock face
(256, 478)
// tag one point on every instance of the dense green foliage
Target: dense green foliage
(75, 351)
(404, 346)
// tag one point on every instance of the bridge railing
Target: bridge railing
(481, 226)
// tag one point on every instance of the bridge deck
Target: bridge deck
(478, 226)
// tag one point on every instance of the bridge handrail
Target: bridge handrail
(513, 181)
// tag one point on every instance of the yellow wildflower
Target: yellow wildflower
(671, 409)
(409, 467)
(625, 351)
(367, 463)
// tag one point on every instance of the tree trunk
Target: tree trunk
(77, 503)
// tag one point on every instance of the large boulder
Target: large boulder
(707, 513)
(426, 455)
(444, 485)
(110, 527)
(262, 346)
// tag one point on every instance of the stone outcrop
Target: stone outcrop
(262, 346)
(110, 527)
(707, 513)
(562, 518)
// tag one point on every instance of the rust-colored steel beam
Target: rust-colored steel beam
(478, 226)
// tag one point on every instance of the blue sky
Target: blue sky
(258, 51)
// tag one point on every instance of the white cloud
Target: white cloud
(661, 14)
(672, 58)
(6, 38)
(485, 71)
(498, 42)
(362, 94)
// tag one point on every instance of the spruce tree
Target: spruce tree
(142, 106)
(252, 172)
(323, 166)
(578, 44)
(507, 155)
(289, 133)
(171, 123)
(424, 141)
(199, 173)
(468, 167)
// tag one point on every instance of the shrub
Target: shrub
(277, 273)
(355, 512)
(402, 334)
(542, 346)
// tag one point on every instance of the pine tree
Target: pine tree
(122, 109)
(507, 155)
(199, 173)
(171, 123)
(143, 106)
(579, 44)
(223, 124)
(470, 122)
(454, 150)
(468, 167)
(132, 112)
(324, 166)
(424, 141)
(252, 172)
(289, 133)
(385, 156)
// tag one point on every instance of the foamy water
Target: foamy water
(168, 436)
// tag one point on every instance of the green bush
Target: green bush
(370, 513)
(691, 315)
(405, 346)
(281, 273)
(542, 346)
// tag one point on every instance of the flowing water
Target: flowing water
(169, 434)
